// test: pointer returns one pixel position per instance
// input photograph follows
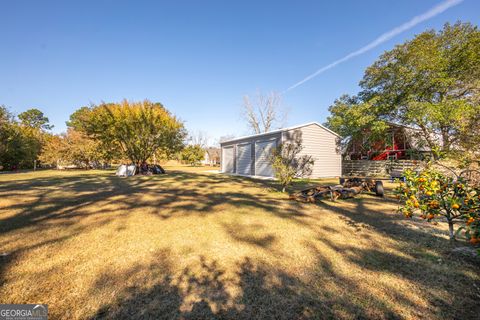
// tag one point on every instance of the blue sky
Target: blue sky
(198, 58)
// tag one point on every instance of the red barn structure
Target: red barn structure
(399, 143)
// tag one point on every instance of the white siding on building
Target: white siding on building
(227, 159)
(317, 141)
(322, 146)
(244, 159)
(263, 149)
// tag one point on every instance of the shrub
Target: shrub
(432, 194)
(288, 164)
(192, 154)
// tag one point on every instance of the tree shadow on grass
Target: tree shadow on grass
(248, 234)
(173, 195)
(432, 276)
(162, 298)
(51, 209)
(368, 212)
(203, 290)
(261, 292)
(422, 255)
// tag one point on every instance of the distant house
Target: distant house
(212, 157)
(400, 143)
(249, 155)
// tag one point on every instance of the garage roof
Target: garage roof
(280, 130)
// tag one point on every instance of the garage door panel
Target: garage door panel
(227, 159)
(244, 159)
(263, 150)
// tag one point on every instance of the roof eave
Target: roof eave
(281, 130)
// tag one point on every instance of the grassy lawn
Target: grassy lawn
(196, 245)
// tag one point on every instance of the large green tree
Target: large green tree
(137, 129)
(351, 118)
(21, 140)
(5, 121)
(192, 154)
(431, 83)
(54, 150)
(10, 140)
(34, 118)
(74, 147)
(34, 126)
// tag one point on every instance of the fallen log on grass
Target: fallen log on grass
(312, 194)
(341, 192)
(348, 190)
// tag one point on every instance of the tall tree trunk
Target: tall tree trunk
(445, 140)
(450, 230)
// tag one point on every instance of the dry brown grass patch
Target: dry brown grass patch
(191, 244)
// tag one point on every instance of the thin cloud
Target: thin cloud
(438, 9)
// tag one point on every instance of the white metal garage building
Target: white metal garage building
(249, 155)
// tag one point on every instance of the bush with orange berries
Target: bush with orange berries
(431, 194)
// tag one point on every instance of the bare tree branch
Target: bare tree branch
(250, 115)
(264, 112)
(198, 138)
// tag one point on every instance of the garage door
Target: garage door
(244, 159)
(263, 150)
(227, 159)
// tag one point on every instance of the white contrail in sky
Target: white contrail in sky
(384, 37)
